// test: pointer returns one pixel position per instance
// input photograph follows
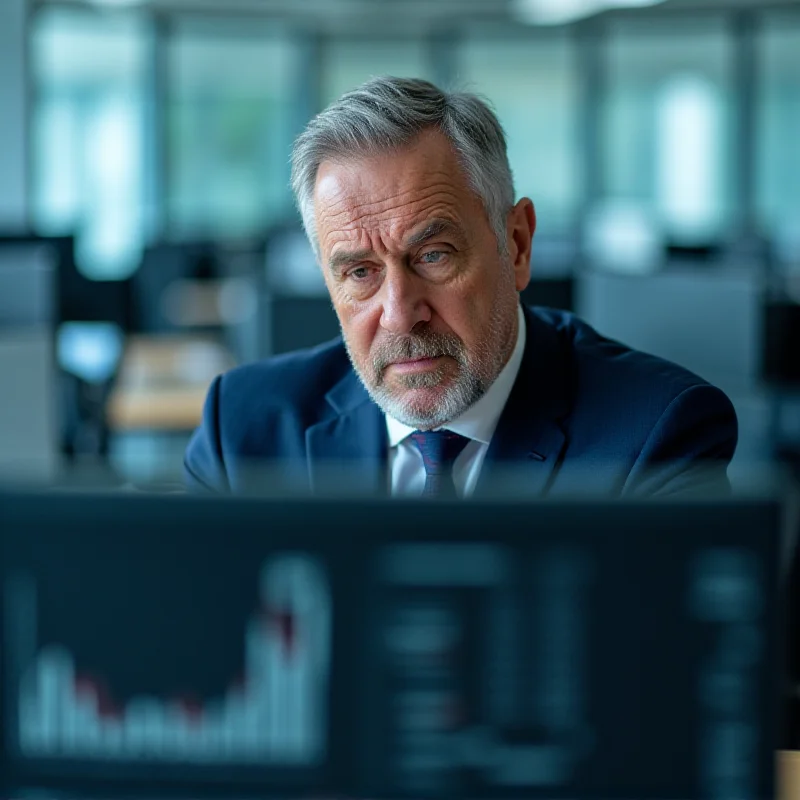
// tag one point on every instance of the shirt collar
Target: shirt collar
(479, 421)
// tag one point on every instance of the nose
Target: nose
(404, 303)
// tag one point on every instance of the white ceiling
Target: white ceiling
(386, 11)
(385, 18)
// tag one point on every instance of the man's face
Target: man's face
(426, 303)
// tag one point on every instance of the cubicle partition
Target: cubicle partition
(29, 410)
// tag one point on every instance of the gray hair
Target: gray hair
(386, 113)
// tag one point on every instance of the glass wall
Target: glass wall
(532, 83)
(234, 99)
(348, 62)
(667, 123)
(89, 75)
(778, 154)
(189, 131)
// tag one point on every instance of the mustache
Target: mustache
(426, 344)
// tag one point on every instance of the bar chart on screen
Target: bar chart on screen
(275, 714)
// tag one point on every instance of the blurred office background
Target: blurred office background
(148, 239)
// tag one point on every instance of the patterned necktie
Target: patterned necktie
(439, 450)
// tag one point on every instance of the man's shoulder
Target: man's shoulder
(298, 380)
(258, 413)
(651, 424)
(604, 371)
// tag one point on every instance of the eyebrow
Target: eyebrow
(433, 229)
(345, 258)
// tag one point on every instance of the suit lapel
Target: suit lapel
(347, 453)
(529, 439)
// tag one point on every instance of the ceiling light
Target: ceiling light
(554, 12)
(560, 12)
(118, 3)
(633, 3)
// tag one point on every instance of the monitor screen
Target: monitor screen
(406, 650)
(27, 283)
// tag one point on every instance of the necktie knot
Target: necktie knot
(439, 451)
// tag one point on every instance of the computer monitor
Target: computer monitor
(28, 274)
(294, 322)
(29, 439)
(554, 292)
(705, 320)
(780, 365)
(82, 298)
(164, 265)
(356, 649)
(29, 410)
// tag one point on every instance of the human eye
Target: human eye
(360, 273)
(434, 257)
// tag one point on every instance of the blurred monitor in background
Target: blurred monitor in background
(555, 259)
(551, 292)
(292, 322)
(296, 310)
(201, 288)
(781, 348)
(705, 320)
(695, 254)
(29, 409)
(89, 322)
(28, 281)
(291, 265)
(84, 299)
(163, 285)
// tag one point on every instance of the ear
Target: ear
(520, 229)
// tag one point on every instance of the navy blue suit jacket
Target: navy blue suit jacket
(586, 416)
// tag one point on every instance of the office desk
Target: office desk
(163, 382)
(789, 775)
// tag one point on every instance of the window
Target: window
(667, 123)
(89, 73)
(532, 84)
(778, 157)
(687, 169)
(347, 63)
(233, 108)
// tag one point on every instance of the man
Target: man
(442, 383)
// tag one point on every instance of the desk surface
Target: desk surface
(163, 382)
(789, 775)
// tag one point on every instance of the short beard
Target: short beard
(473, 378)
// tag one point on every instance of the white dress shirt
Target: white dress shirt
(477, 423)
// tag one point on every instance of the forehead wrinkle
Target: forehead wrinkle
(433, 204)
(354, 181)
(345, 199)
(391, 230)
(350, 210)
(406, 197)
